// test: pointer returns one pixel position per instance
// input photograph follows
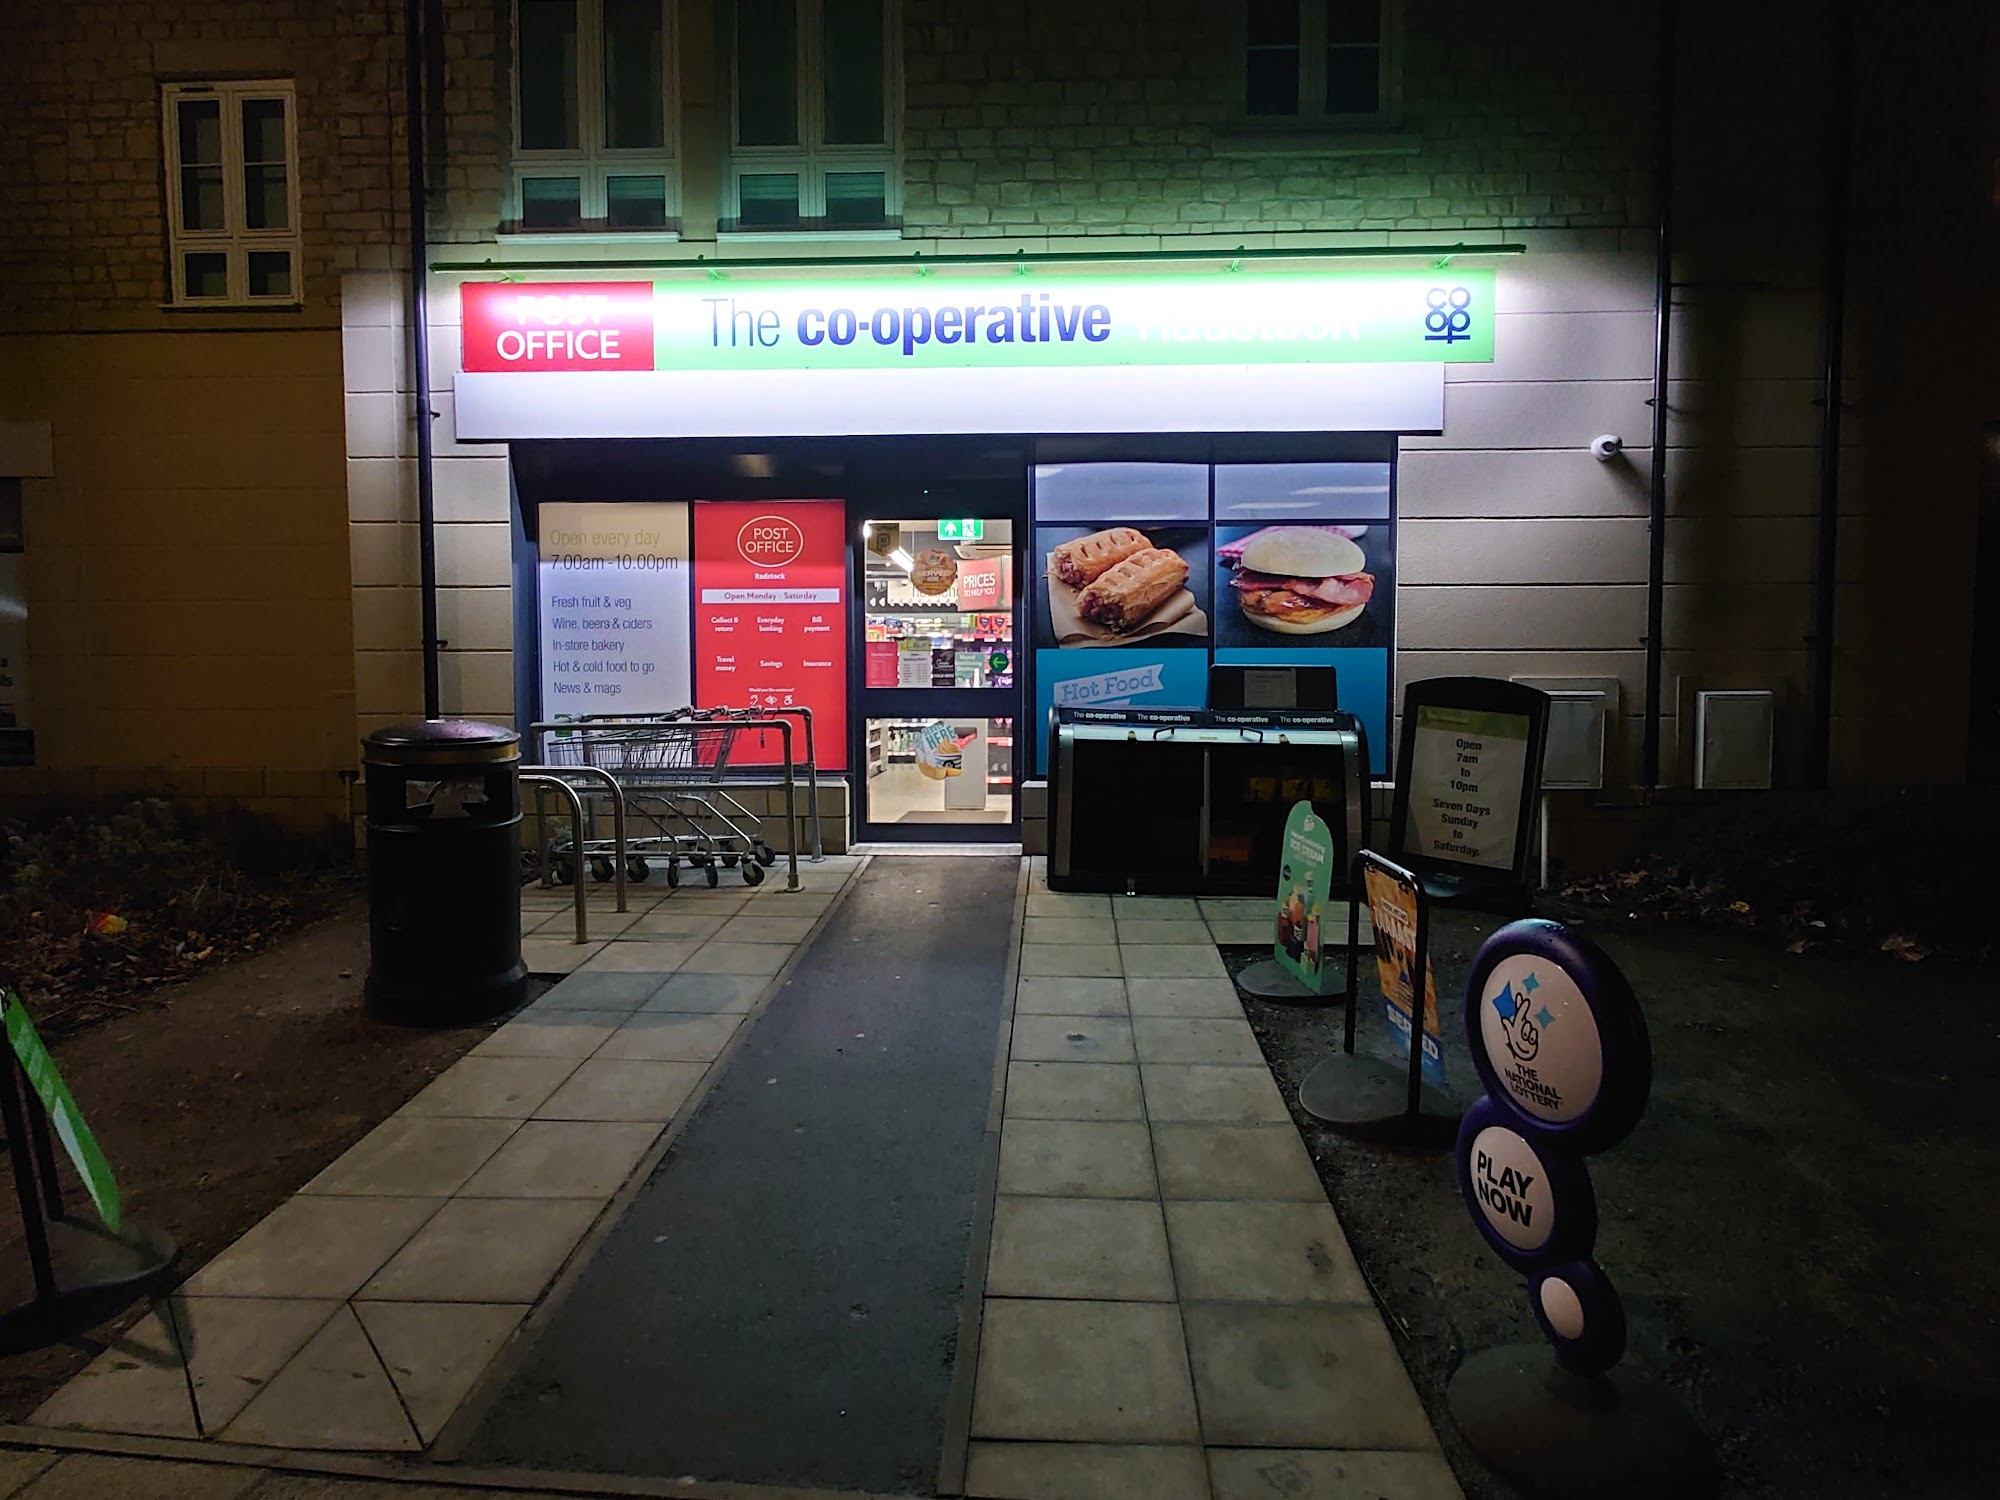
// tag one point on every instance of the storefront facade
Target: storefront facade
(931, 509)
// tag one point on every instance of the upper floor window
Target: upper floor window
(1317, 59)
(232, 193)
(815, 116)
(594, 115)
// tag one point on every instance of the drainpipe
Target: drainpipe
(420, 347)
(1833, 325)
(1663, 293)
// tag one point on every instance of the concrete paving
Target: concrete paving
(360, 1314)
(1169, 1307)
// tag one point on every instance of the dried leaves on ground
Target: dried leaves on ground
(100, 910)
(1898, 871)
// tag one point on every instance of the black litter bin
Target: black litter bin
(444, 882)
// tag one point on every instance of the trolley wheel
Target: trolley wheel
(673, 872)
(729, 860)
(766, 855)
(602, 869)
(714, 877)
(562, 870)
(700, 860)
(753, 873)
(636, 868)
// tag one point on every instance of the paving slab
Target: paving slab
(708, 994)
(558, 955)
(334, 1395)
(1102, 1039)
(495, 1250)
(1183, 960)
(1086, 1471)
(1320, 1474)
(646, 956)
(414, 1156)
(1047, 903)
(232, 1347)
(564, 1159)
(434, 1351)
(92, 1476)
(1076, 1159)
(1209, 1094)
(552, 1033)
(313, 1246)
(1183, 999)
(718, 957)
(507, 1088)
(1234, 1162)
(1262, 1252)
(598, 991)
(1079, 1247)
(1069, 930)
(1161, 1039)
(1141, 932)
(1094, 1372)
(670, 1036)
(1081, 960)
(617, 1089)
(1070, 997)
(671, 922)
(1319, 1375)
(17, 1468)
(1073, 1091)
(755, 924)
(1156, 908)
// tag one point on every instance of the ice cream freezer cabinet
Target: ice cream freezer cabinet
(1194, 801)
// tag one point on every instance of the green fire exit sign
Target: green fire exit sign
(961, 531)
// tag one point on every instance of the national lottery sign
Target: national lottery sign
(1053, 317)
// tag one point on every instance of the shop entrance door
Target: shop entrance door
(940, 699)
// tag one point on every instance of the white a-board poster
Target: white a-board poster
(613, 588)
(1466, 774)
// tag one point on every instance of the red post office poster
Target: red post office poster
(770, 621)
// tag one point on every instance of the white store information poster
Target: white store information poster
(1466, 774)
(613, 581)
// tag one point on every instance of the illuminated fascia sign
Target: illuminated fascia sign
(1052, 318)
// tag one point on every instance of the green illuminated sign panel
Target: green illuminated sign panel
(1063, 318)
(961, 531)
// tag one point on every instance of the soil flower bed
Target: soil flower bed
(101, 911)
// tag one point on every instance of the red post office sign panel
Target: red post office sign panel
(770, 619)
(593, 325)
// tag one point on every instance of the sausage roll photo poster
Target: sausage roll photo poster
(1124, 597)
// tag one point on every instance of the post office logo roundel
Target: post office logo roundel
(769, 541)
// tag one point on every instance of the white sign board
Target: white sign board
(1542, 1038)
(612, 582)
(1467, 771)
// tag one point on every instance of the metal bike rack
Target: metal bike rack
(541, 782)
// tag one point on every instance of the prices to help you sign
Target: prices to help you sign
(1392, 907)
(1305, 882)
(78, 1143)
(1466, 781)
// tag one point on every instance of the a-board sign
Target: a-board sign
(1392, 908)
(1558, 1039)
(78, 1143)
(1466, 785)
(1468, 776)
(1306, 868)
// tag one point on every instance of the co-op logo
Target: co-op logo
(770, 541)
(1449, 319)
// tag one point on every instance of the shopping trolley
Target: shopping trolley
(670, 770)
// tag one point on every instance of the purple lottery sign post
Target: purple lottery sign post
(1558, 1039)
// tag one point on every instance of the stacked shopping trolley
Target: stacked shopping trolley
(670, 770)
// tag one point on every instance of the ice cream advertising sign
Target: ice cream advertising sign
(1305, 897)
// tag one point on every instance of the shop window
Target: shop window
(1318, 59)
(814, 133)
(232, 193)
(594, 117)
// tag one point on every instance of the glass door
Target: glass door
(940, 696)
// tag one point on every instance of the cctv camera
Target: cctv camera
(1606, 447)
